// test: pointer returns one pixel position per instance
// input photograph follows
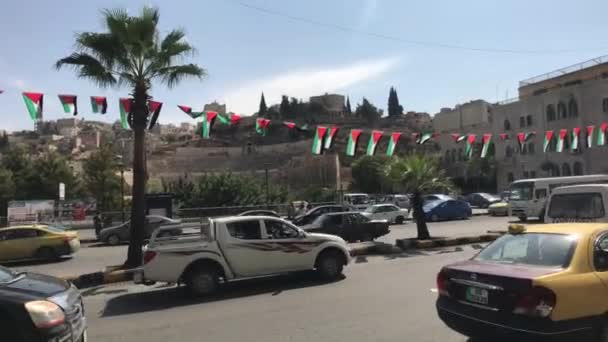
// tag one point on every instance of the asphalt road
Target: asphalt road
(380, 299)
(94, 257)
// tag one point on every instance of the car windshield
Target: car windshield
(535, 249)
(489, 197)
(359, 199)
(430, 205)
(319, 220)
(6, 275)
(521, 191)
(370, 209)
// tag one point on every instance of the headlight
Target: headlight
(45, 314)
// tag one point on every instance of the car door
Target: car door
(334, 225)
(7, 250)
(25, 242)
(290, 250)
(246, 250)
(600, 258)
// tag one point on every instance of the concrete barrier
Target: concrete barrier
(405, 244)
(99, 278)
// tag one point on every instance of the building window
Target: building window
(509, 152)
(529, 120)
(566, 170)
(510, 177)
(532, 174)
(572, 108)
(561, 110)
(507, 125)
(522, 122)
(526, 175)
(550, 112)
(555, 171)
(578, 169)
(531, 148)
(605, 104)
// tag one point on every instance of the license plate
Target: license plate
(477, 295)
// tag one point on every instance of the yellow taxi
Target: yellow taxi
(36, 242)
(538, 282)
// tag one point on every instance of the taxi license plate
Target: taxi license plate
(477, 295)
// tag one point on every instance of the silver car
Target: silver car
(117, 234)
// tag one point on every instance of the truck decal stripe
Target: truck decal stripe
(285, 247)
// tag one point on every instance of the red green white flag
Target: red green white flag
(504, 136)
(560, 140)
(34, 104)
(486, 140)
(458, 138)
(576, 132)
(235, 119)
(261, 126)
(125, 105)
(329, 138)
(353, 138)
(590, 131)
(547, 141)
(393, 143)
(188, 110)
(424, 137)
(373, 142)
(523, 137)
(68, 102)
(208, 121)
(99, 104)
(154, 108)
(317, 143)
(601, 135)
(468, 149)
(289, 124)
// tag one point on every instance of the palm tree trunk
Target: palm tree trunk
(138, 209)
(423, 230)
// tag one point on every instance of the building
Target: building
(575, 96)
(67, 127)
(333, 103)
(215, 107)
(90, 140)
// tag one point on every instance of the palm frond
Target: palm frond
(88, 66)
(174, 74)
(105, 47)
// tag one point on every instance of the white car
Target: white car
(239, 247)
(389, 212)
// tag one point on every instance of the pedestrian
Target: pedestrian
(97, 223)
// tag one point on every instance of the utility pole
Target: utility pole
(267, 196)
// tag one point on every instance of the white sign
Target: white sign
(61, 191)
(30, 211)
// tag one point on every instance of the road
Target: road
(380, 299)
(93, 257)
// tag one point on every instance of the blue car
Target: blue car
(447, 210)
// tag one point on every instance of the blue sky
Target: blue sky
(247, 51)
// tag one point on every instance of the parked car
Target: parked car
(315, 212)
(389, 212)
(499, 209)
(447, 210)
(117, 234)
(36, 242)
(260, 212)
(351, 226)
(436, 197)
(240, 247)
(481, 199)
(536, 282)
(402, 201)
(36, 307)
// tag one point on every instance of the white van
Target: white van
(359, 201)
(528, 196)
(578, 203)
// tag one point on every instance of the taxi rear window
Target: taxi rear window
(536, 249)
(576, 207)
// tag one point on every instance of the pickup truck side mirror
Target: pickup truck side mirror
(301, 234)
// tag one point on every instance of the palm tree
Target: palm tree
(418, 174)
(131, 52)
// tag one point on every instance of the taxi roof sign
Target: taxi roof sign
(517, 229)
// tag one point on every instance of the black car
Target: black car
(351, 226)
(315, 212)
(259, 212)
(481, 199)
(36, 307)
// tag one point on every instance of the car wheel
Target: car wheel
(399, 220)
(367, 237)
(202, 281)
(113, 240)
(434, 218)
(46, 253)
(523, 218)
(330, 265)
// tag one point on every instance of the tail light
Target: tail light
(68, 238)
(148, 256)
(539, 302)
(442, 284)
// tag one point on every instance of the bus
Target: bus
(528, 196)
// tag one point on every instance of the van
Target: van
(578, 203)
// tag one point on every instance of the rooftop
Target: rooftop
(564, 71)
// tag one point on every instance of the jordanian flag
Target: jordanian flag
(560, 140)
(374, 138)
(317, 142)
(590, 131)
(524, 137)
(576, 132)
(33, 102)
(261, 126)
(486, 140)
(125, 110)
(329, 138)
(547, 141)
(353, 138)
(208, 121)
(601, 135)
(154, 108)
(424, 137)
(99, 104)
(468, 148)
(393, 143)
(458, 138)
(69, 104)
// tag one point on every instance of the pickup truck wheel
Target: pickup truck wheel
(202, 281)
(399, 220)
(330, 265)
(113, 240)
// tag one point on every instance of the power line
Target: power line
(401, 40)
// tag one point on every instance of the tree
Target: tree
(367, 111)
(263, 107)
(418, 174)
(394, 108)
(46, 173)
(7, 189)
(131, 52)
(101, 179)
(349, 110)
(369, 174)
(284, 109)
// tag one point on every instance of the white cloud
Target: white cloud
(304, 83)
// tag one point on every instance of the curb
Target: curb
(444, 242)
(89, 240)
(99, 278)
(365, 248)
